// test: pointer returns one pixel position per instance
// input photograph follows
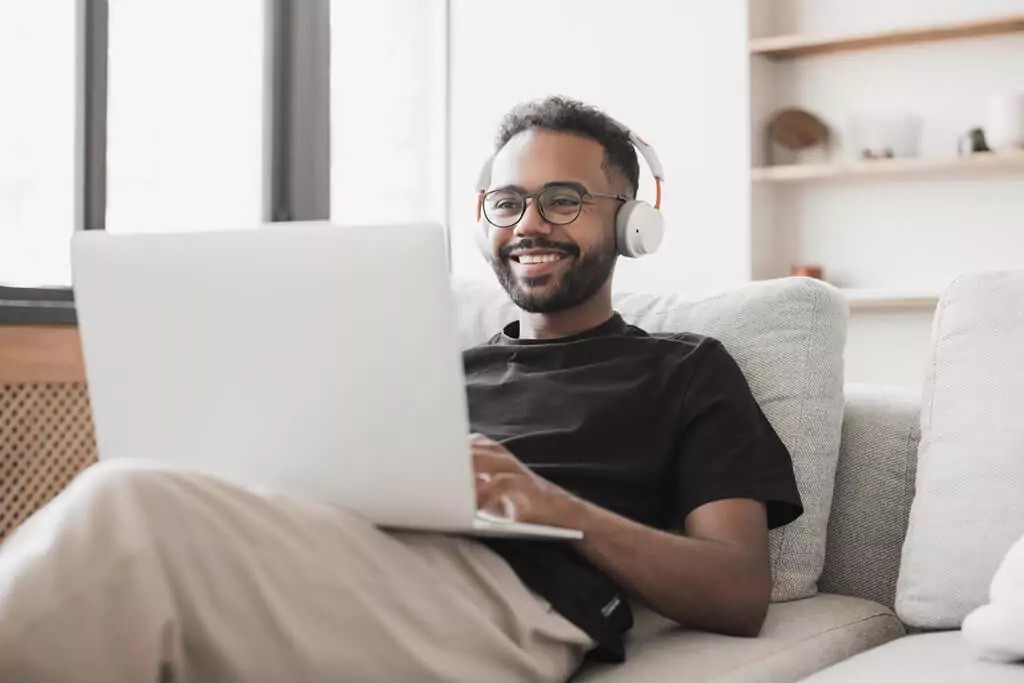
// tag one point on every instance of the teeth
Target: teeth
(529, 259)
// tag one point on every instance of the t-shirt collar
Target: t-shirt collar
(614, 325)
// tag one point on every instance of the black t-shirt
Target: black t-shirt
(649, 427)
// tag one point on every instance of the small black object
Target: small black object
(976, 142)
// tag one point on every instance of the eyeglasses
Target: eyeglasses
(559, 204)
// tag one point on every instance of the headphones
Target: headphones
(639, 227)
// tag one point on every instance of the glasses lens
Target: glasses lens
(503, 208)
(561, 205)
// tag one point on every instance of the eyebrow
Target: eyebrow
(580, 187)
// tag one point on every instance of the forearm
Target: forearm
(712, 585)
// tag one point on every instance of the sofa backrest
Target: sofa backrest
(788, 337)
(874, 490)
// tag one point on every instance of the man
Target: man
(652, 446)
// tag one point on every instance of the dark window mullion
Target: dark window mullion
(277, 46)
(91, 192)
(307, 101)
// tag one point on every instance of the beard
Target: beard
(581, 279)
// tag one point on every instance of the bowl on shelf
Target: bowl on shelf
(884, 136)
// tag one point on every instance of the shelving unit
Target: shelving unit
(792, 47)
(984, 162)
(821, 209)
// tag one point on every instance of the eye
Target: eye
(504, 202)
(563, 199)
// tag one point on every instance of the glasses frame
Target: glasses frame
(535, 196)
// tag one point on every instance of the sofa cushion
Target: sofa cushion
(874, 491)
(798, 638)
(969, 508)
(996, 630)
(787, 336)
(932, 657)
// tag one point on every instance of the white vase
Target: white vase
(1005, 128)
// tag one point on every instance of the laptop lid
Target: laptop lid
(313, 360)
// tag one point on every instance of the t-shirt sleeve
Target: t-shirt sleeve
(726, 448)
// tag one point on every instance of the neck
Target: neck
(587, 315)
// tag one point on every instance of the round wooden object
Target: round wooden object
(798, 129)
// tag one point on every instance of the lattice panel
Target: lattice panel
(46, 438)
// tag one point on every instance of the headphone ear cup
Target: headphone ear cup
(639, 229)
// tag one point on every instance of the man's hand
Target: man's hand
(505, 487)
(716, 577)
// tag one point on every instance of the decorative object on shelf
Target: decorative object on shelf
(972, 142)
(815, 272)
(797, 130)
(1005, 128)
(885, 136)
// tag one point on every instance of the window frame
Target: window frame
(296, 132)
(296, 108)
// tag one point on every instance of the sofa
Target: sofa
(846, 572)
(841, 584)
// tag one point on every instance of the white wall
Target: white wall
(676, 72)
(885, 347)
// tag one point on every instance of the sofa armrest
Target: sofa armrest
(873, 492)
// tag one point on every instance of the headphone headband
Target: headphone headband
(645, 150)
(650, 156)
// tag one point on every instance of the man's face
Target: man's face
(547, 268)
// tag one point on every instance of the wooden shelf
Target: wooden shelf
(984, 162)
(791, 47)
(890, 300)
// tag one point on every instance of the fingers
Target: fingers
(492, 463)
(478, 438)
(490, 456)
(505, 495)
(481, 443)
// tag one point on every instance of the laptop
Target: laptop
(310, 360)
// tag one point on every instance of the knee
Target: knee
(119, 480)
(102, 515)
(118, 499)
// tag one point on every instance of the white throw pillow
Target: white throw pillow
(969, 505)
(996, 630)
(788, 337)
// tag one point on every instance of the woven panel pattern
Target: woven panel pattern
(46, 438)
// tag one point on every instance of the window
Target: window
(185, 115)
(168, 115)
(388, 111)
(37, 141)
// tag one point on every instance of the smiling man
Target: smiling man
(652, 446)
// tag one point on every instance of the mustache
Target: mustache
(539, 243)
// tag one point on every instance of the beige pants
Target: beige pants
(136, 574)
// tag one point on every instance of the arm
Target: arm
(715, 578)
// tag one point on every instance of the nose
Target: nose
(532, 223)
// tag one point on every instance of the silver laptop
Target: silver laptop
(311, 360)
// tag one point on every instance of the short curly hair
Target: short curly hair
(565, 115)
